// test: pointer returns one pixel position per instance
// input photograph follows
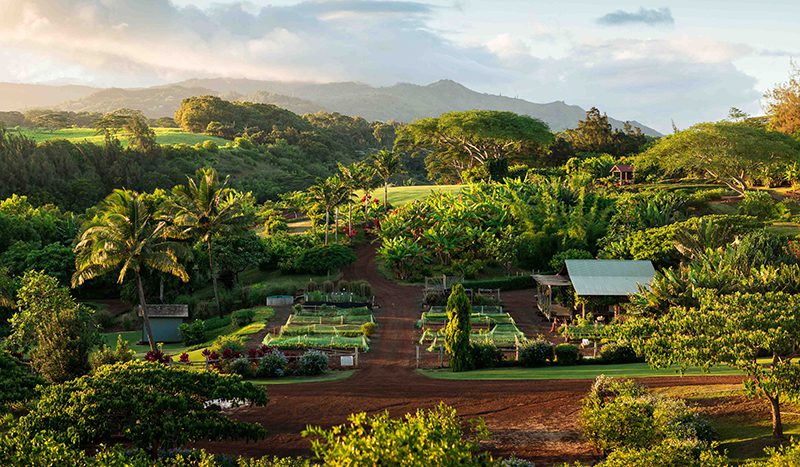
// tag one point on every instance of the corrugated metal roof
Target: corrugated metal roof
(609, 277)
(167, 311)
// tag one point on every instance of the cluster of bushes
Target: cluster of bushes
(229, 355)
(621, 418)
(539, 352)
(198, 331)
(301, 254)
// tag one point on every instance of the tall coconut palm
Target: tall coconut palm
(206, 208)
(350, 184)
(387, 163)
(329, 194)
(130, 235)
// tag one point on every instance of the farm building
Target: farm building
(624, 172)
(607, 282)
(165, 321)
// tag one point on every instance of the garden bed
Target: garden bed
(324, 328)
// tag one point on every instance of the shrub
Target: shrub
(272, 364)
(535, 353)
(312, 363)
(243, 317)
(485, 355)
(620, 414)
(194, 332)
(105, 356)
(104, 319)
(502, 283)
(758, 204)
(670, 453)
(618, 353)
(17, 383)
(435, 438)
(368, 328)
(240, 366)
(567, 354)
(234, 343)
(322, 259)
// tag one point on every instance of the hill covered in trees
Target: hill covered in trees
(402, 102)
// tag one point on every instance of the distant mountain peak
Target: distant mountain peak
(403, 102)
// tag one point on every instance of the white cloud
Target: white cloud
(145, 42)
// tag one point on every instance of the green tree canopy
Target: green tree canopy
(730, 153)
(59, 332)
(458, 141)
(151, 405)
(730, 329)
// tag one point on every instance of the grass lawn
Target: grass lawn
(327, 377)
(400, 195)
(745, 436)
(628, 370)
(163, 136)
(263, 314)
(784, 228)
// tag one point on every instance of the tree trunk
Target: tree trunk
(350, 216)
(327, 223)
(385, 193)
(143, 309)
(336, 224)
(161, 289)
(214, 277)
(777, 425)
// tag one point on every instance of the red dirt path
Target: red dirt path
(535, 420)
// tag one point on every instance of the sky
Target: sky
(656, 62)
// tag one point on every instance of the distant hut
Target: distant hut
(624, 172)
(165, 321)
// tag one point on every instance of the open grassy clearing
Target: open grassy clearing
(326, 378)
(76, 135)
(225, 327)
(400, 195)
(626, 370)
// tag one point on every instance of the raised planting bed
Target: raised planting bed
(486, 328)
(325, 328)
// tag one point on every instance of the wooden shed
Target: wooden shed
(165, 321)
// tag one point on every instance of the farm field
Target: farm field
(163, 136)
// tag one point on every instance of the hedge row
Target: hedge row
(502, 283)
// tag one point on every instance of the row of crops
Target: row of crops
(489, 326)
(325, 328)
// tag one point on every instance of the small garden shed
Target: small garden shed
(605, 280)
(165, 321)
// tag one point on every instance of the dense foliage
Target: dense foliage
(138, 402)
(514, 222)
(58, 332)
(434, 437)
(618, 414)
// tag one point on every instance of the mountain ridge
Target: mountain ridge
(403, 102)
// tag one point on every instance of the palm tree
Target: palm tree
(207, 208)
(387, 163)
(350, 184)
(128, 234)
(328, 193)
(364, 178)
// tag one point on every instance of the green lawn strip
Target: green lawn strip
(744, 437)
(163, 136)
(628, 370)
(327, 377)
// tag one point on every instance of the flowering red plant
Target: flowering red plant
(184, 358)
